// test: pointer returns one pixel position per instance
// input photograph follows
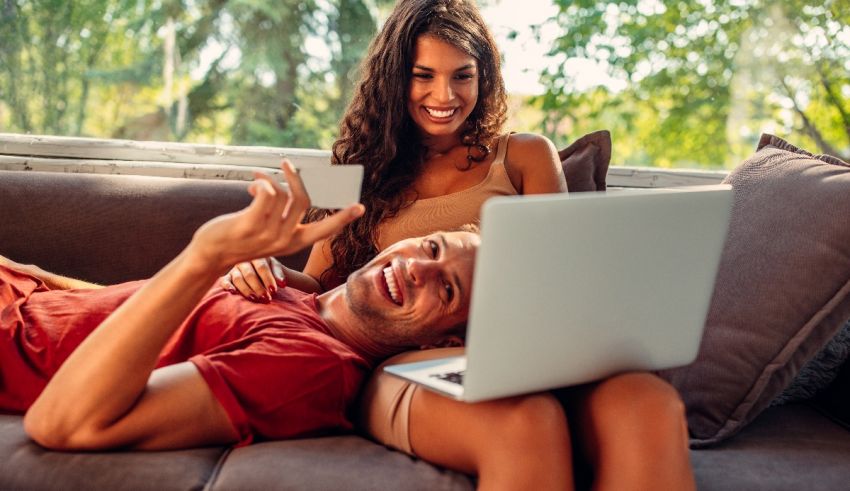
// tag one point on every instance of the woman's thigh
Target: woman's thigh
(386, 400)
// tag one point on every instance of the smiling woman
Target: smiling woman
(443, 89)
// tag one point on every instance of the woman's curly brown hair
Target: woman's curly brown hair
(377, 131)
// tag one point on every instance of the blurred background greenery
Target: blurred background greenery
(688, 83)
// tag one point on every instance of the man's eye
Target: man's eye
(435, 249)
(450, 292)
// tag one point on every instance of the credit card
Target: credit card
(331, 186)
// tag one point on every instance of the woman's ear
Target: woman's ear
(447, 342)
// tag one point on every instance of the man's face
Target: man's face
(415, 291)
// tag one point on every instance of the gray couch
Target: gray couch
(109, 228)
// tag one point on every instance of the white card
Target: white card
(331, 186)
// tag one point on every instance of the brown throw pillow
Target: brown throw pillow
(586, 161)
(782, 290)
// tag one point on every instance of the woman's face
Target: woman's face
(443, 87)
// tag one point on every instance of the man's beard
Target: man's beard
(375, 323)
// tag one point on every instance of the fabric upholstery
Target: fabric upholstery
(586, 161)
(788, 448)
(109, 228)
(26, 466)
(782, 290)
(332, 463)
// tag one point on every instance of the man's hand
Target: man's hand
(269, 226)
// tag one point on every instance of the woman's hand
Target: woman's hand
(256, 280)
(269, 226)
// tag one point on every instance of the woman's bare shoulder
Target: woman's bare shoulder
(530, 142)
(533, 163)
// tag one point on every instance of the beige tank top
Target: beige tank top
(450, 211)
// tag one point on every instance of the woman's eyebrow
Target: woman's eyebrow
(468, 66)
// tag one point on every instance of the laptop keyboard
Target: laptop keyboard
(453, 377)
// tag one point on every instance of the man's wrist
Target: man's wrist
(203, 261)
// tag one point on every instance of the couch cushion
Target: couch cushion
(782, 289)
(788, 448)
(25, 465)
(345, 462)
(109, 228)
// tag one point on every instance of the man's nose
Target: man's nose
(421, 270)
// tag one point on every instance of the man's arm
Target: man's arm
(52, 280)
(107, 393)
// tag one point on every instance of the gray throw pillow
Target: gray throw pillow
(585, 162)
(782, 289)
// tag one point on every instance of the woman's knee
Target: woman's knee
(532, 417)
(641, 404)
(640, 394)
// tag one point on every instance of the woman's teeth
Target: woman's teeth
(395, 293)
(440, 114)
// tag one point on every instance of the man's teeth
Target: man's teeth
(440, 114)
(394, 291)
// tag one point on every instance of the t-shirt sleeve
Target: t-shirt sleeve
(277, 387)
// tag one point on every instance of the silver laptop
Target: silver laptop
(572, 289)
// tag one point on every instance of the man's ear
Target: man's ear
(447, 342)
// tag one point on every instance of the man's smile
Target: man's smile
(393, 288)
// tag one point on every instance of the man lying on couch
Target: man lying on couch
(171, 363)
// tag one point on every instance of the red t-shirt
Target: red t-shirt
(275, 368)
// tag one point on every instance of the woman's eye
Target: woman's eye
(423, 76)
(464, 76)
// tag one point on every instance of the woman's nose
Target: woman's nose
(443, 91)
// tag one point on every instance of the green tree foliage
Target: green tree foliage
(228, 71)
(703, 78)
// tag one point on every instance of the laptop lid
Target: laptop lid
(572, 288)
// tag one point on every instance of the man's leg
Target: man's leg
(632, 430)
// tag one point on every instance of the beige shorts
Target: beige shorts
(385, 401)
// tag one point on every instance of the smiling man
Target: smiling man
(172, 363)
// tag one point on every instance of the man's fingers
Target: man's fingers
(313, 232)
(269, 199)
(282, 196)
(299, 200)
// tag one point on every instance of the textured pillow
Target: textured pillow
(586, 161)
(833, 401)
(782, 289)
(820, 371)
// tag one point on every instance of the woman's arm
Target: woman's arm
(107, 393)
(257, 279)
(533, 165)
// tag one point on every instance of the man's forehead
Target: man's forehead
(462, 240)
